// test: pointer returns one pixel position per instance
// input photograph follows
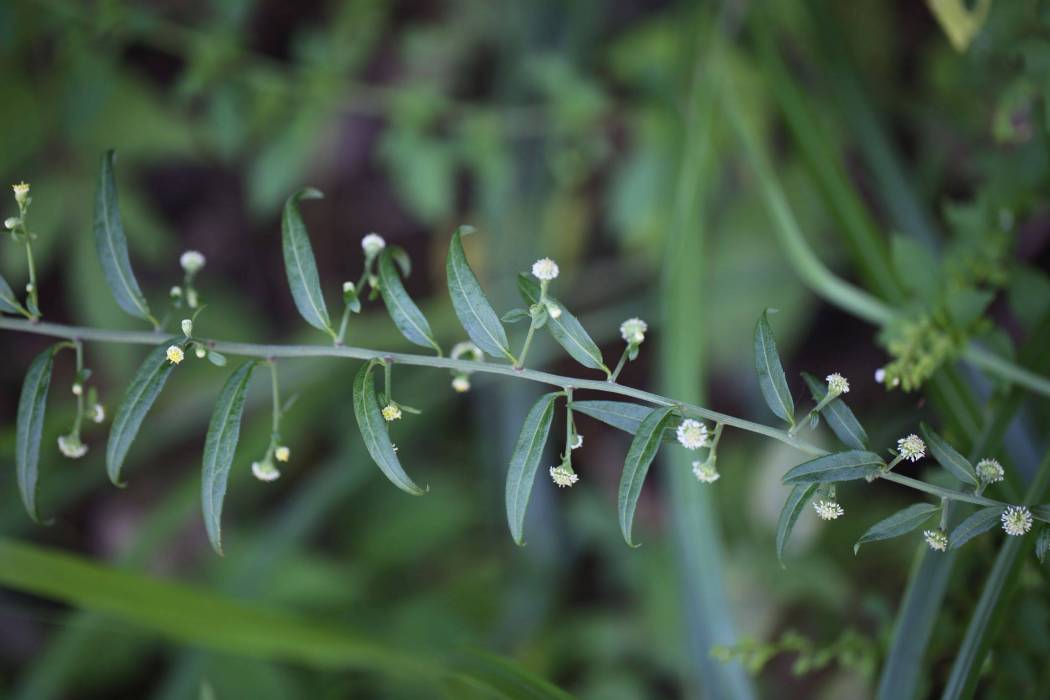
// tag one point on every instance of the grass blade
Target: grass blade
(948, 458)
(139, 398)
(406, 315)
(796, 502)
(30, 425)
(978, 523)
(472, 307)
(300, 264)
(374, 431)
(526, 459)
(841, 466)
(900, 523)
(771, 377)
(112, 245)
(838, 416)
(220, 445)
(566, 329)
(639, 457)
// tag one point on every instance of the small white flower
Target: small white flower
(880, 375)
(989, 471)
(706, 471)
(692, 434)
(187, 327)
(554, 310)
(349, 287)
(828, 510)
(71, 446)
(461, 384)
(1017, 520)
(391, 412)
(545, 269)
(98, 413)
(467, 348)
(21, 193)
(78, 389)
(175, 354)
(577, 442)
(282, 454)
(633, 331)
(265, 471)
(563, 477)
(372, 244)
(937, 539)
(200, 352)
(176, 292)
(29, 288)
(11, 222)
(911, 448)
(192, 261)
(837, 384)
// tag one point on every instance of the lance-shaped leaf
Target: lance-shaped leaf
(407, 316)
(138, 400)
(566, 329)
(978, 523)
(625, 416)
(526, 459)
(374, 431)
(112, 245)
(639, 457)
(300, 264)
(838, 416)
(900, 523)
(1041, 513)
(841, 466)
(220, 445)
(472, 307)
(948, 458)
(8, 301)
(796, 502)
(771, 379)
(30, 425)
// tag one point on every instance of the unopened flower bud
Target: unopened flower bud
(633, 331)
(200, 352)
(192, 261)
(78, 389)
(187, 327)
(21, 193)
(372, 244)
(461, 384)
(12, 222)
(265, 471)
(282, 453)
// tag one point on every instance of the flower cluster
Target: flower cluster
(563, 476)
(990, 471)
(1017, 520)
(692, 434)
(837, 384)
(545, 269)
(372, 244)
(633, 331)
(706, 471)
(391, 412)
(911, 448)
(71, 446)
(936, 539)
(828, 509)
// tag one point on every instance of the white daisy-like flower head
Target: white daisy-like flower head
(563, 477)
(989, 471)
(828, 509)
(98, 413)
(192, 261)
(706, 471)
(77, 389)
(391, 412)
(911, 448)
(373, 244)
(692, 434)
(21, 193)
(545, 269)
(461, 384)
(467, 348)
(1017, 520)
(265, 471)
(937, 539)
(633, 331)
(282, 453)
(837, 384)
(71, 446)
(175, 354)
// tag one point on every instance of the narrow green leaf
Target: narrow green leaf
(948, 458)
(30, 425)
(515, 315)
(523, 463)
(374, 431)
(625, 416)
(978, 523)
(796, 502)
(112, 245)
(138, 400)
(472, 307)
(407, 316)
(841, 466)
(771, 377)
(635, 468)
(1041, 513)
(900, 523)
(838, 416)
(566, 329)
(300, 264)
(8, 301)
(220, 445)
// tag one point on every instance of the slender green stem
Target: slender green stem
(533, 321)
(276, 398)
(343, 323)
(34, 294)
(569, 427)
(79, 348)
(938, 491)
(388, 381)
(620, 364)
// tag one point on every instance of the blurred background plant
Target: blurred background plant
(910, 143)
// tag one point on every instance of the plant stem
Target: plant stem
(939, 491)
(34, 298)
(619, 365)
(276, 399)
(79, 348)
(532, 323)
